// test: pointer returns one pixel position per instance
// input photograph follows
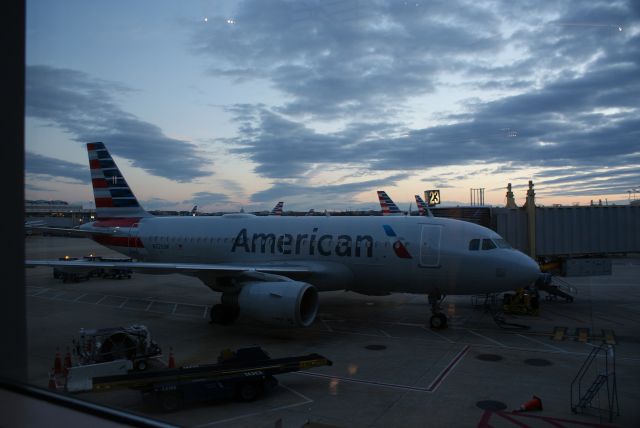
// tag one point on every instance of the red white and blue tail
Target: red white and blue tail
(113, 197)
(387, 205)
(277, 210)
(423, 208)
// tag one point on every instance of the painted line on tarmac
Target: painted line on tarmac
(431, 388)
(437, 334)
(542, 343)
(488, 338)
(447, 370)
(306, 399)
(566, 316)
(365, 382)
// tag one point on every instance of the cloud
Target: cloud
(340, 194)
(86, 108)
(205, 198)
(46, 166)
(336, 58)
(555, 84)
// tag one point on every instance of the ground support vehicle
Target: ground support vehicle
(245, 375)
(116, 273)
(522, 302)
(132, 343)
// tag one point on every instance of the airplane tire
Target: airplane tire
(438, 321)
(170, 400)
(249, 391)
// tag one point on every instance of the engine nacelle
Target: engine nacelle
(290, 303)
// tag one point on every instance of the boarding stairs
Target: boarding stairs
(601, 363)
(556, 287)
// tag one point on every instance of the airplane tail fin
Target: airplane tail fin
(387, 205)
(277, 210)
(423, 208)
(113, 197)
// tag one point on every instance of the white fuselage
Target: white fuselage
(371, 255)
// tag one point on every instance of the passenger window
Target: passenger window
(474, 245)
(488, 244)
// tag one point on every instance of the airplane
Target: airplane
(423, 208)
(277, 210)
(271, 268)
(387, 205)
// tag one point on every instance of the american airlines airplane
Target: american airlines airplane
(423, 208)
(388, 206)
(277, 210)
(270, 268)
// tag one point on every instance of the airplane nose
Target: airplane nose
(527, 270)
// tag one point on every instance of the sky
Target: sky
(233, 105)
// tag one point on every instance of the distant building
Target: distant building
(57, 213)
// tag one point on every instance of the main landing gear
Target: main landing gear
(438, 320)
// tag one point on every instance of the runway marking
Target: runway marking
(566, 316)
(148, 306)
(608, 320)
(488, 338)
(175, 306)
(306, 399)
(384, 332)
(204, 315)
(437, 334)
(541, 342)
(365, 382)
(445, 372)
(123, 303)
(101, 299)
(79, 297)
(431, 388)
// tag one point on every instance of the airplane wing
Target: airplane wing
(66, 231)
(195, 269)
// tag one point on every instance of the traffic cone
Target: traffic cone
(57, 363)
(172, 361)
(67, 362)
(534, 404)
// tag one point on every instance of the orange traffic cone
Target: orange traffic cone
(52, 381)
(534, 404)
(57, 363)
(172, 361)
(67, 362)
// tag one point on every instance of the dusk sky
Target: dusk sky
(241, 104)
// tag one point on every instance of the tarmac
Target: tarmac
(389, 368)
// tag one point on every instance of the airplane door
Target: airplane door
(430, 246)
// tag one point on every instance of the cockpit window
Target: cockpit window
(502, 243)
(474, 245)
(488, 244)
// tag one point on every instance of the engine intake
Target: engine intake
(289, 303)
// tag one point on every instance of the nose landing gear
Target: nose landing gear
(438, 320)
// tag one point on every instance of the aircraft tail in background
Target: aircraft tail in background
(277, 210)
(387, 205)
(423, 208)
(113, 197)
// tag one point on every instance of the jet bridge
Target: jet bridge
(582, 239)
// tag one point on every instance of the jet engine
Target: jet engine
(289, 303)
